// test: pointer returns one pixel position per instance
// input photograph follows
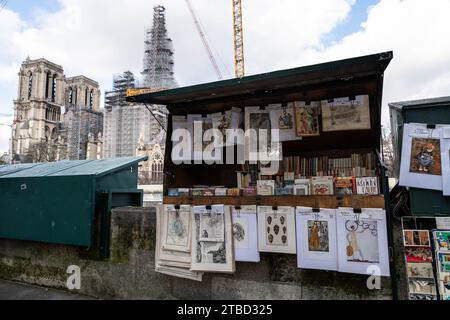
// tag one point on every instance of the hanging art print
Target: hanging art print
(316, 239)
(276, 229)
(307, 119)
(362, 241)
(421, 157)
(343, 114)
(445, 158)
(177, 228)
(282, 118)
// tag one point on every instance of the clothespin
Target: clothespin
(177, 210)
(275, 209)
(357, 213)
(316, 213)
(238, 210)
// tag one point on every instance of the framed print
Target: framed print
(343, 114)
(282, 118)
(276, 230)
(421, 165)
(307, 118)
(445, 158)
(416, 238)
(212, 256)
(362, 241)
(245, 234)
(316, 239)
(176, 228)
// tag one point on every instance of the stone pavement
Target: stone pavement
(19, 291)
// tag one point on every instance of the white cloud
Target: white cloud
(100, 38)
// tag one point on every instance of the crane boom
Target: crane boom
(205, 41)
(239, 69)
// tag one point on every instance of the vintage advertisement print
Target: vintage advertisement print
(343, 114)
(426, 156)
(307, 119)
(416, 238)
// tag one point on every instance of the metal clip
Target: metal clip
(275, 214)
(238, 211)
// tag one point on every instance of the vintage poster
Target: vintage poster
(362, 240)
(316, 239)
(245, 233)
(421, 157)
(282, 118)
(416, 238)
(212, 256)
(342, 114)
(176, 228)
(307, 119)
(276, 229)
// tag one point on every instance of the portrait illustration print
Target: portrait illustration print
(318, 238)
(362, 241)
(307, 121)
(426, 156)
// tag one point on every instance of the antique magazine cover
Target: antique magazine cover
(245, 234)
(421, 165)
(283, 119)
(316, 239)
(276, 230)
(210, 256)
(445, 157)
(307, 118)
(343, 114)
(362, 241)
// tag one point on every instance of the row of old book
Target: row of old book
(327, 185)
(358, 165)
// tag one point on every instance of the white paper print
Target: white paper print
(421, 165)
(362, 241)
(316, 239)
(231, 119)
(245, 234)
(445, 156)
(283, 119)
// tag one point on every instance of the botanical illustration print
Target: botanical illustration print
(318, 238)
(285, 120)
(426, 156)
(177, 228)
(212, 227)
(240, 233)
(307, 121)
(276, 226)
(362, 241)
(420, 270)
(416, 237)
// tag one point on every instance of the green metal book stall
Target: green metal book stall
(66, 202)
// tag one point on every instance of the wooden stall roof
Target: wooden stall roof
(265, 83)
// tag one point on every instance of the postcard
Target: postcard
(416, 238)
(418, 254)
(420, 270)
(441, 240)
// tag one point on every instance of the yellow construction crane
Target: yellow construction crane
(238, 30)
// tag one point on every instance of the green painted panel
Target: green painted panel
(47, 209)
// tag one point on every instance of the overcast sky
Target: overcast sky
(102, 37)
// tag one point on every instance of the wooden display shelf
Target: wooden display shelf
(333, 202)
